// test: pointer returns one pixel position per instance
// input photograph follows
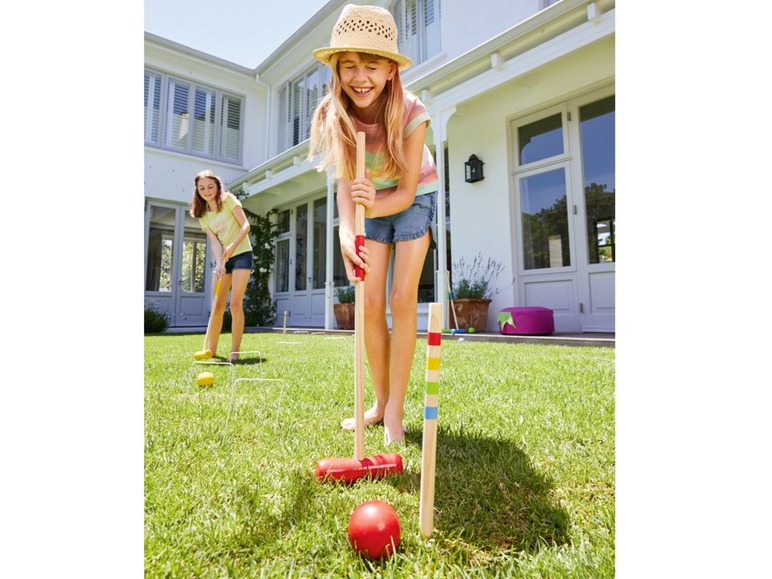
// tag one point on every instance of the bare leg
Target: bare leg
(377, 338)
(239, 287)
(219, 310)
(408, 262)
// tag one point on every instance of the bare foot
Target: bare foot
(233, 357)
(371, 417)
(394, 436)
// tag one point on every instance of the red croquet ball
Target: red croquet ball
(373, 529)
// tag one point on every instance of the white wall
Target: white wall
(481, 127)
(466, 25)
(169, 175)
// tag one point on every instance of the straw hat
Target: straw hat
(367, 29)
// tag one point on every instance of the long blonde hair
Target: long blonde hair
(334, 136)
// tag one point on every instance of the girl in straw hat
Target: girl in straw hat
(398, 192)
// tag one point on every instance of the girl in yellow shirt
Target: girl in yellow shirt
(222, 218)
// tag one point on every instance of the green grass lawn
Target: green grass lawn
(525, 470)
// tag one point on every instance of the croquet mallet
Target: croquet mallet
(205, 353)
(378, 466)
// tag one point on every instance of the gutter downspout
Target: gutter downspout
(269, 98)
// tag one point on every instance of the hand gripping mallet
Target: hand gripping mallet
(378, 466)
(205, 353)
(429, 453)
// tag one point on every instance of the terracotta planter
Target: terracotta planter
(470, 313)
(344, 316)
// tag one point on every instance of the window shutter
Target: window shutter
(230, 129)
(152, 107)
(177, 115)
(203, 122)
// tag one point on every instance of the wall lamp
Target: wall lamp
(473, 169)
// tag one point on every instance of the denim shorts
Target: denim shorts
(240, 261)
(411, 223)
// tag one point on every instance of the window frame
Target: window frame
(218, 116)
(297, 106)
(419, 42)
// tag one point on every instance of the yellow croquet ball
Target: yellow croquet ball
(205, 379)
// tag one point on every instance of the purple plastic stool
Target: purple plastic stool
(531, 321)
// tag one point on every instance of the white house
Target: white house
(528, 87)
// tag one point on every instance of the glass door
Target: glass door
(301, 266)
(175, 265)
(596, 141)
(565, 212)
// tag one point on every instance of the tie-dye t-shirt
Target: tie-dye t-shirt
(415, 114)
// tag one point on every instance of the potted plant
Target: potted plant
(344, 308)
(471, 291)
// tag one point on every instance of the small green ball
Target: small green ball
(471, 330)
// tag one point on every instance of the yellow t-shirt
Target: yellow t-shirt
(224, 225)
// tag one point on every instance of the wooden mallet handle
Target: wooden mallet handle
(359, 316)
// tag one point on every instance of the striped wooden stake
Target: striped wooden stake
(428, 466)
(359, 316)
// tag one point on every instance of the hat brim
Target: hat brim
(323, 55)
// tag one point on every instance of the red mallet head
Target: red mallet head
(373, 529)
(349, 470)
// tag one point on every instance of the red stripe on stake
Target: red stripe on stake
(433, 338)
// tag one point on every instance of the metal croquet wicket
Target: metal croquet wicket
(259, 379)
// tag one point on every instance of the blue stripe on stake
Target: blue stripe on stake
(430, 413)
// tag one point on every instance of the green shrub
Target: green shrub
(346, 294)
(155, 322)
(227, 321)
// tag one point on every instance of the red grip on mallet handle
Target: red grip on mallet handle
(350, 469)
(359, 240)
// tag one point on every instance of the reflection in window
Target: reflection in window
(544, 216)
(597, 126)
(540, 140)
(320, 243)
(339, 277)
(281, 267)
(301, 240)
(158, 276)
(193, 257)
(283, 222)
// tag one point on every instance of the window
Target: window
(152, 106)
(542, 182)
(281, 266)
(192, 118)
(418, 22)
(599, 177)
(160, 243)
(298, 100)
(544, 220)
